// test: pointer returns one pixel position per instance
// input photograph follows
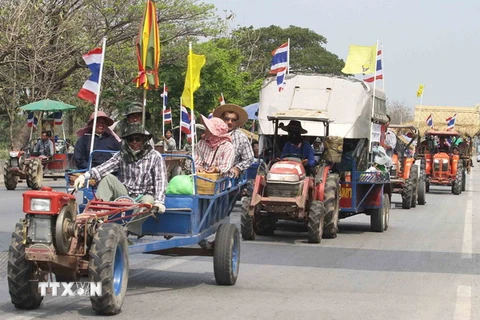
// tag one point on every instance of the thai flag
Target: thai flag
(221, 100)
(280, 64)
(379, 73)
(184, 120)
(31, 120)
(429, 121)
(193, 131)
(90, 88)
(451, 122)
(58, 118)
(167, 116)
(164, 95)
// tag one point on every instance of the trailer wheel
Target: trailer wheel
(316, 221)
(378, 219)
(9, 178)
(414, 176)
(109, 265)
(22, 286)
(421, 192)
(246, 221)
(35, 174)
(457, 184)
(331, 204)
(226, 254)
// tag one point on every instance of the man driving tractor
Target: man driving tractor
(298, 146)
(44, 146)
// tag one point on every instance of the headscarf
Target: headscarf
(219, 132)
(131, 156)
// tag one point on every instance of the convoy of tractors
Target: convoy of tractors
(352, 175)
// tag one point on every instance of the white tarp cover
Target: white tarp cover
(346, 102)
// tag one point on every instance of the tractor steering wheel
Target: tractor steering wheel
(294, 157)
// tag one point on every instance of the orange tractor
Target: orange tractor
(404, 174)
(443, 165)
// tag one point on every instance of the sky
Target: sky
(430, 42)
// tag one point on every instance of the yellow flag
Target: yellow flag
(192, 78)
(420, 90)
(361, 60)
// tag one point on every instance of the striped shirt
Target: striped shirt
(205, 157)
(243, 150)
(145, 176)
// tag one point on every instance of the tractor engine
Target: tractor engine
(441, 165)
(285, 179)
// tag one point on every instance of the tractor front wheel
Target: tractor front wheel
(316, 221)
(421, 192)
(109, 266)
(414, 176)
(407, 193)
(9, 178)
(457, 184)
(35, 174)
(22, 280)
(246, 221)
(331, 204)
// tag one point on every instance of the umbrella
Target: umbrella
(47, 105)
(148, 49)
(252, 111)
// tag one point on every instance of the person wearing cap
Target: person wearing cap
(132, 115)
(105, 139)
(297, 145)
(141, 173)
(215, 153)
(235, 117)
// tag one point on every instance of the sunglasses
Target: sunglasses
(230, 119)
(135, 138)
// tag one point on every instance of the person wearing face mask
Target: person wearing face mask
(297, 145)
(141, 173)
(105, 139)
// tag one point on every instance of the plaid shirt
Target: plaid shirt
(206, 157)
(243, 150)
(146, 176)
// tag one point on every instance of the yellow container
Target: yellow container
(207, 187)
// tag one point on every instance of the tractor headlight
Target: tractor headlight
(436, 161)
(13, 154)
(37, 204)
(445, 160)
(282, 177)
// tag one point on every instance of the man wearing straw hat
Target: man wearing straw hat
(297, 145)
(235, 117)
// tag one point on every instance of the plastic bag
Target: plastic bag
(181, 184)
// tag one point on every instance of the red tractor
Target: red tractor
(405, 177)
(442, 163)
(284, 190)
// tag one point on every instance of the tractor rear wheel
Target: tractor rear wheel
(246, 221)
(35, 174)
(331, 203)
(316, 221)
(414, 176)
(22, 281)
(457, 184)
(109, 266)
(9, 178)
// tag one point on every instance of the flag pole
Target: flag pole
(190, 74)
(97, 99)
(288, 56)
(180, 127)
(373, 100)
(420, 108)
(163, 108)
(223, 98)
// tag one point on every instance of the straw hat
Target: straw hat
(293, 126)
(216, 126)
(101, 114)
(229, 107)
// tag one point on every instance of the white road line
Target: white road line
(463, 305)
(467, 232)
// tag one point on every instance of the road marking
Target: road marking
(467, 232)
(463, 305)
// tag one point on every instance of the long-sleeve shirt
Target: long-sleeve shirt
(243, 150)
(305, 150)
(44, 148)
(147, 175)
(206, 157)
(82, 149)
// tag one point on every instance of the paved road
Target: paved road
(426, 266)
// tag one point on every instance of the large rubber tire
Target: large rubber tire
(35, 174)
(427, 186)
(316, 221)
(332, 206)
(9, 178)
(414, 176)
(109, 265)
(421, 192)
(407, 193)
(246, 221)
(457, 184)
(264, 225)
(464, 179)
(378, 219)
(22, 284)
(226, 254)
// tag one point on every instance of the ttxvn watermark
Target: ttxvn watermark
(70, 289)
